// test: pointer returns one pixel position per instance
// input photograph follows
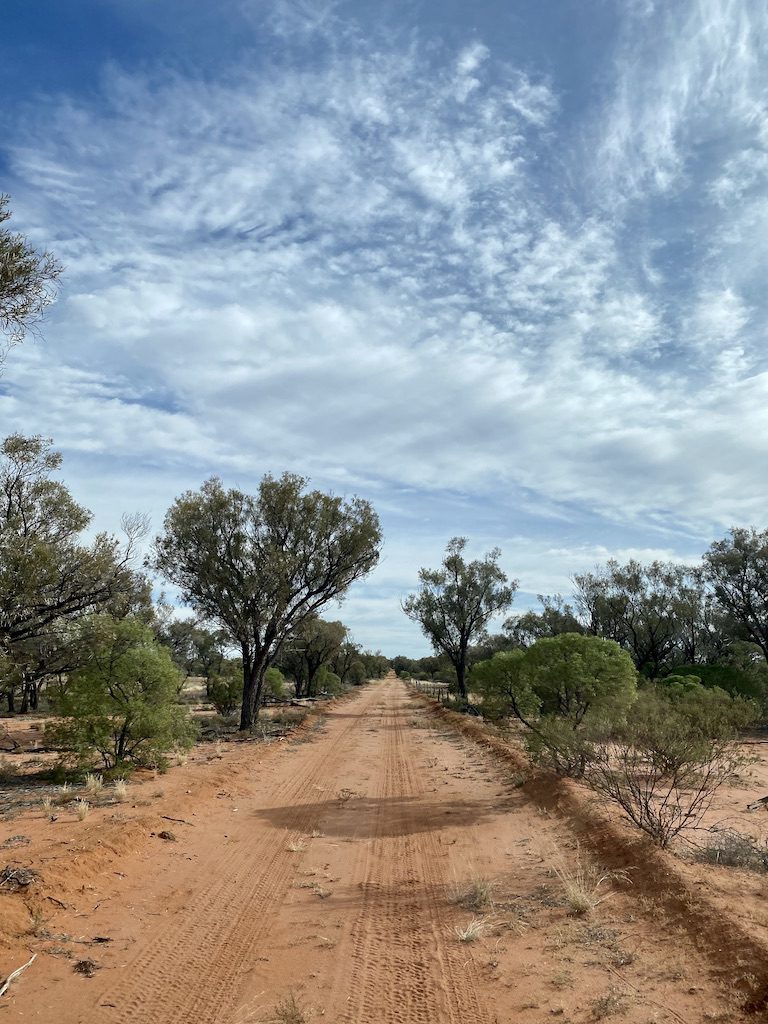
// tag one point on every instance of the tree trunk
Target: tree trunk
(253, 690)
(461, 674)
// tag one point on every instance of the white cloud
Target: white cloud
(374, 267)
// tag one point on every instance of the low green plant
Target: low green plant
(122, 703)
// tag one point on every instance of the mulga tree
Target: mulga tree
(260, 565)
(455, 603)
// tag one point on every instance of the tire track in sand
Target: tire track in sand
(406, 965)
(189, 970)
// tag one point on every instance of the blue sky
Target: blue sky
(497, 267)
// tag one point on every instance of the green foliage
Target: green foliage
(27, 281)
(665, 762)
(274, 682)
(314, 645)
(556, 617)
(50, 578)
(260, 565)
(658, 612)
(328, 682)
(356, 674)
(737, 569)
(564, 689)
(122, 704)
(497, 683)
(456, 602)
(573, 675)
(734, 680)
(225, 689)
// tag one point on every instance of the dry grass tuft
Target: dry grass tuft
(476, 895)
(288, 1011)
(583, 883)
(120, 791)
(474, 930)
(47, 804)
(93, 784)
(298, 846)
(82, 809)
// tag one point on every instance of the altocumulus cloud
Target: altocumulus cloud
(395, 265)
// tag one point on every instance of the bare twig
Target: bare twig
(16, 973)
(183, 821)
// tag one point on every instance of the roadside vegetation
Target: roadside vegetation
(641, 689)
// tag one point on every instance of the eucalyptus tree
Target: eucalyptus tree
(647, 609)
(737, 570)
(27, 281)
(260, 565)
(455, 603)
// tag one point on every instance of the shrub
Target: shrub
(327, 682)
(225, 692)
(122, 703)
(274, 683)
(734, 850)
(564, 689)
(665, 763)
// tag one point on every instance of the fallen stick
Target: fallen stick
(183, 821)
(16, 973)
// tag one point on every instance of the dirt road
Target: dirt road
(334, 872)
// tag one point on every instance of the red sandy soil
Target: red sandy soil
(331, 869)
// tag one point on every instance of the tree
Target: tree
(313, 645)
(556, 616)
(47, 575)
(260, 565)
(456, 602)
(737, 569)
(122, 703)
(343, 660)
(27, 281)
(641, 607)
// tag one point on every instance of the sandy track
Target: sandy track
(325, 870)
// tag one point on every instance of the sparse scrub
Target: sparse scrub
(82, 809)
(289, 1011)
(297, 846)
(609, 1005)
(46, 804)
(728, 848)
(665, 763)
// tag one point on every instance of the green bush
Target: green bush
(274, 683)
(123, 703)
(565, 690)
(327, 682)
(730, 678)
(225, 692)
(665, 762)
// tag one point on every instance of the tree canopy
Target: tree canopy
(260, 565)
(456, 602)
(27, 281)
(48, 575)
